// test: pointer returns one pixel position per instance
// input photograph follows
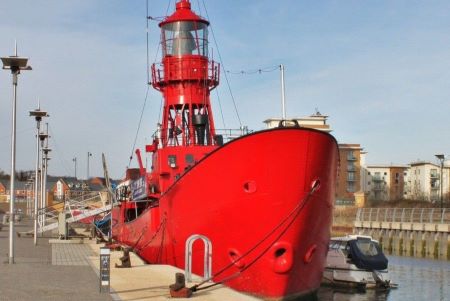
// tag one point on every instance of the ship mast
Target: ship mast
(186, 78)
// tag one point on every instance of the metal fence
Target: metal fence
(404, 215)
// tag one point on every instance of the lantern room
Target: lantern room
(185, 38)
(184, 33)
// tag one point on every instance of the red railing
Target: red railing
(175, 69)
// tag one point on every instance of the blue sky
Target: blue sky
(379, 69)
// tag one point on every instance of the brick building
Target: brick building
(349, 173)
(23, 190)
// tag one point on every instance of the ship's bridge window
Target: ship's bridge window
(185, 37)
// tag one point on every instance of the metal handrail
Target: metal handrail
(401, 215)
(207, 259)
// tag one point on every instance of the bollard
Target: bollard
(125, 259)
(179, 289)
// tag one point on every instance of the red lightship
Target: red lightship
(262, 201)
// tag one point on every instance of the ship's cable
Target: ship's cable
(161, 246)
(292, 215)
(144, 230)
(223, 65)
(254, 71)
(148, 78)
(220, 107)
(199, 7)
(139, 125)
(58, 150)
(162, 225)
(146, 29)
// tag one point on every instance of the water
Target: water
(418, 279)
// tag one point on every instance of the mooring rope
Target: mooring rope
(293, 214)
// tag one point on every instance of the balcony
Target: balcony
(434, 184)
(351, 158)
(377, 179)
(378, 188)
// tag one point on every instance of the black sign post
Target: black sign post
(105, 271)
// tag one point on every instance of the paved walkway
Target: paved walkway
(33, 277)
(71, 254)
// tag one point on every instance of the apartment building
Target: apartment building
(423, 181)
(384, 182)
(349, 172)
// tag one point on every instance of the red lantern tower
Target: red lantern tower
(186, 79)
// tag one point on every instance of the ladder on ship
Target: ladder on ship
(77, 209)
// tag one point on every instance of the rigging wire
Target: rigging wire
(220, 107)
(57, 150)
(221, 61)
(148, 76)
(199, 7)
(139, 125)
(255, 71)
(148, 63)
(156, 56)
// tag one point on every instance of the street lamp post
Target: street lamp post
(45, 159)
(89, 154)
(42, 137)
(75, 163)
(38, 115)
(441, 158)
(28, 187)
(15, 64)
(30, 196)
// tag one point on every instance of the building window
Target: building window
(350, 156)
(368, 173)
(368, 183)
(434, 173)
(351, 166)
(351, 176)
(350, 186)
(385, 173)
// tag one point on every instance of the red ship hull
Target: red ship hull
(263, 200)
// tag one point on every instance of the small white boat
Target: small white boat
(357, 261)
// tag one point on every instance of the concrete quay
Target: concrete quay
(69, 271)
(151, 282)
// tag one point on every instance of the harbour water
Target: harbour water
(418, 280)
